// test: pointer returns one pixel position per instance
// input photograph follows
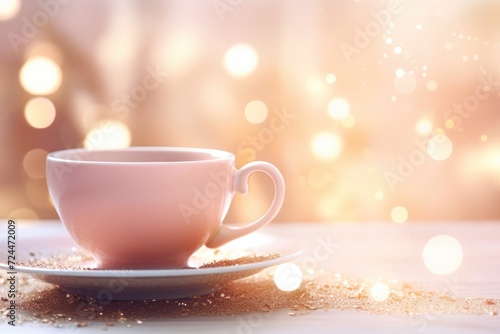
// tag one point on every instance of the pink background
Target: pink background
(405, 76)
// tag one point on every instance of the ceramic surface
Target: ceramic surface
(151, 207)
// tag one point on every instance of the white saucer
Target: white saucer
(108, 285)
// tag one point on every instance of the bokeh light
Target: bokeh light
(315, 86)
(442, 255)
(108, 134)
(241, 60)
(326, 145)
(39, 112)
(34, 163)
(431, 85)
(330, 78)
(379, 195)
(439, 147)
(449, 124)
(288, 276)
(256, 112)
(9, 9)
(399, 73)
(380, 292)
(339, 108)
(40, 76)
(348, 122)
(399, 214)
(424, 126)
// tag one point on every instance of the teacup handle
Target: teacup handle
(227, 233)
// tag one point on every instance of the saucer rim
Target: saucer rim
(138, 273)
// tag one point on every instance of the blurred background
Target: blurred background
(372, 110)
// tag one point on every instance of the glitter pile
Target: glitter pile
(205, 258)
(39, 302)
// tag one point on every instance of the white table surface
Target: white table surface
(366, 250)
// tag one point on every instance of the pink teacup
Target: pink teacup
(151, 207)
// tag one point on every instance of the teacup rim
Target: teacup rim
(216, 155)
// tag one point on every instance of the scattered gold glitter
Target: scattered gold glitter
(239, 261)
(39, 302)
(204, 258)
